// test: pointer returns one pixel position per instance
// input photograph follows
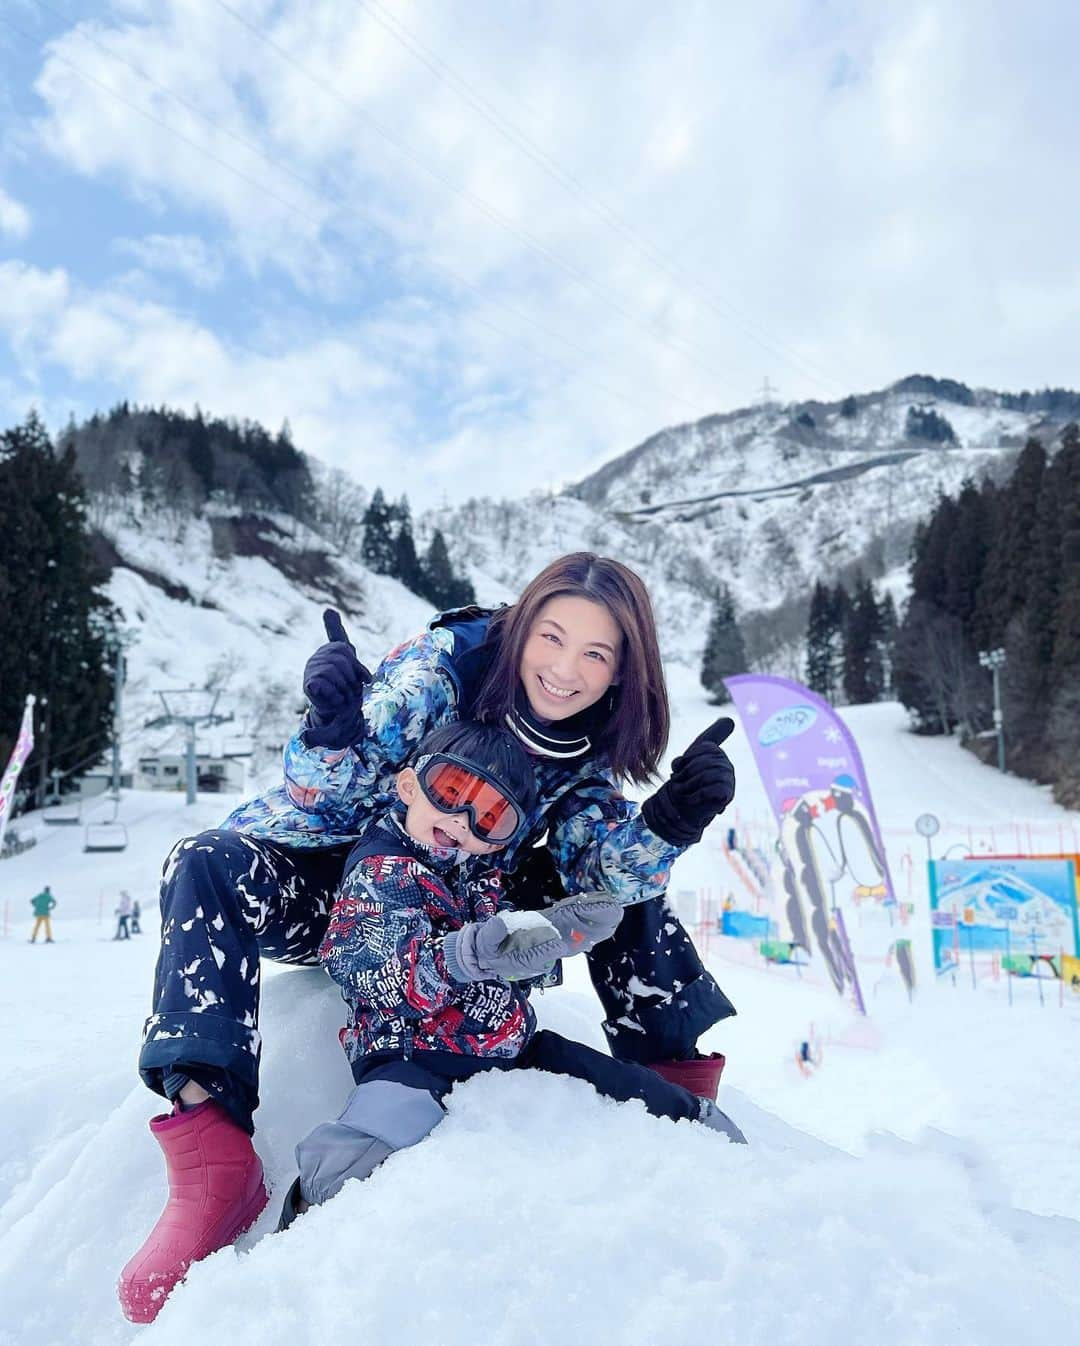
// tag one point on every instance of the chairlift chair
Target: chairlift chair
(56, 813)
(105, 837)
(108, 835)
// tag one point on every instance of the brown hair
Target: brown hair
(634, 739)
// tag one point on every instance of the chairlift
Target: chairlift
(105, 837)
(57, 814)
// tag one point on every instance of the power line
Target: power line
(483, 206)
(391, 24)
(448, 272)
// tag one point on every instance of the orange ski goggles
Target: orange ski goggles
(454, 786)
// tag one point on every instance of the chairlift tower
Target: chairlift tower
(123, 640)
(192, 707)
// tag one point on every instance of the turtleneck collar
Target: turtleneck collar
(562, 740)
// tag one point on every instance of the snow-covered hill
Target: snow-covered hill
(920, 1188)
(239, 618)
(767, 499)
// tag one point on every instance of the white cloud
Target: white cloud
(184, 254)
(32, 299)
(833, 232)
(342, 393)
(14, 217)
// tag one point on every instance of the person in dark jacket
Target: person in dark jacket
(573, 669)
(435, 965)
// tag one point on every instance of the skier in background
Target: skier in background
(123, 913)
(43, 906)
(136, 912)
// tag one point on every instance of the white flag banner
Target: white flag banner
(24, 746)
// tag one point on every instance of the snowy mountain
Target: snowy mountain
(768, 499)
(234, 604)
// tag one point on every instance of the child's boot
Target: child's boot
(215, 1192)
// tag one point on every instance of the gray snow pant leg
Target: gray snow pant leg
(380, 1117)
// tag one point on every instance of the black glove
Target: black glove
(334, 685)
(702, 785)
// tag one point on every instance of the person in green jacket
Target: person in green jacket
(43, 905)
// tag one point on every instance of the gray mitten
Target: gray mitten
(513, 946)
(584, 920)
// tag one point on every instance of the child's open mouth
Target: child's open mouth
(443, 839)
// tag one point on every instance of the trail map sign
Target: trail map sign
(988, 905)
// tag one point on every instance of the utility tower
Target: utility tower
(767, 393)
(192, 707)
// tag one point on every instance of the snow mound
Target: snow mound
(540, 1213)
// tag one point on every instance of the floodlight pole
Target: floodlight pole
(189, 756)
(118, 696)
(994, 660)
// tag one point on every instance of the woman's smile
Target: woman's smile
(552, 689)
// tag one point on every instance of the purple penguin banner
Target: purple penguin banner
(830, 843)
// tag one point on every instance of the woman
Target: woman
(573, 669)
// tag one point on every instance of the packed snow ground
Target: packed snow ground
(921, 1186)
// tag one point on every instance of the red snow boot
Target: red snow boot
(215, 1192)
(701, 1074)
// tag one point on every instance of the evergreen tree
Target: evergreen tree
(887, 625)
(862, 646)
(926, 423)
(438, 572)
(1063, 721)
(965, 554)
(444, 588)
(56, 622)
(406, 562)
(1045, 570)
(1065, 660)
(1005, 581)
(820, 633)
(840, 613)
(378, 551)
(725, 653)
(929, 571)
(982, 620)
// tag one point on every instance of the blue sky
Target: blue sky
(478, 248)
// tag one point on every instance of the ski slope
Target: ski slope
(922, 1186)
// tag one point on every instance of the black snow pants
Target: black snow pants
(228, 900)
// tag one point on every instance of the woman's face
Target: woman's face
(571, 657)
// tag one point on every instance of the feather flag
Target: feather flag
(24, 746)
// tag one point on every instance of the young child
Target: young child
(435, 966)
